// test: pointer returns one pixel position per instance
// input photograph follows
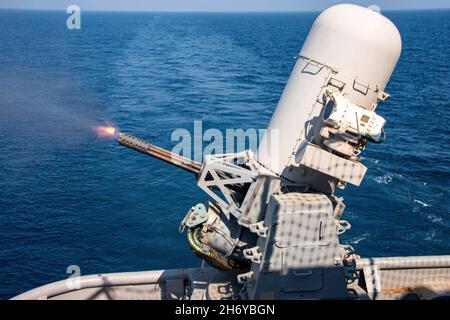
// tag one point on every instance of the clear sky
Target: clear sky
(217, 5)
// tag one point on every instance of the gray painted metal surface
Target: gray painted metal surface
(103, 280)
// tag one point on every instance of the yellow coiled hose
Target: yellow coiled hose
(208, 253)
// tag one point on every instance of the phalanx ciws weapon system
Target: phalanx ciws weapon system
(271, 229)
(274, 218)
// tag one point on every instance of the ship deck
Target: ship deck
(393, 278)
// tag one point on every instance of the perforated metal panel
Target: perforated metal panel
(301, 255)
(318, 159)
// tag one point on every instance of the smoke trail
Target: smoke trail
(46, 106)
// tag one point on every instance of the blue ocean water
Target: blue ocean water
(69, 198)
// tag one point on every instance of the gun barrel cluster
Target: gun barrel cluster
(172, 158)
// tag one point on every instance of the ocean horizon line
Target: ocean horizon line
(208, 11)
